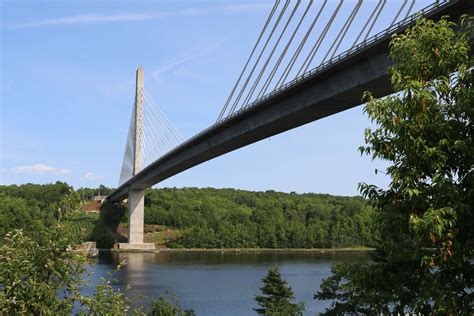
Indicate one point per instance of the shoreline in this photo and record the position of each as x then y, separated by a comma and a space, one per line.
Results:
243, 250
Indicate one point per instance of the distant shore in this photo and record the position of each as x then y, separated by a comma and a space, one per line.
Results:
249, 250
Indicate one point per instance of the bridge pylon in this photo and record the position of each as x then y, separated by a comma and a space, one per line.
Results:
136, 197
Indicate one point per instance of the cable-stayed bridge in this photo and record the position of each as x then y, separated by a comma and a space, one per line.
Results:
285, 83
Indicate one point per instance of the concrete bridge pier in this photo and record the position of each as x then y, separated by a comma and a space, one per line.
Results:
136, 209
136, 198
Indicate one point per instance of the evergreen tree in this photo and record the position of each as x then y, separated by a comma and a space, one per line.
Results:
168, 306
276, 298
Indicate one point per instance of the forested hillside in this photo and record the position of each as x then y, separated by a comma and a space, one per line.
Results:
29, 206
227, 218
36, 207
204, 218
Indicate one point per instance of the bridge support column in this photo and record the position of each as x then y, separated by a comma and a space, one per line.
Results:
136, 208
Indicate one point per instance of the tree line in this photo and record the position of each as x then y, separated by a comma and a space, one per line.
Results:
32, 207
228, 218
208, 218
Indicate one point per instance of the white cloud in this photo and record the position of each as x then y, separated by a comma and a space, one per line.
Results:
40, 169
92, 176
196, 53
135, 17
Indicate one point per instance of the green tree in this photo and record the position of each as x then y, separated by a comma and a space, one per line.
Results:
168, 306
425, 132
106, 300
32, 274
44, 275
277, 296
68, 203
15, 213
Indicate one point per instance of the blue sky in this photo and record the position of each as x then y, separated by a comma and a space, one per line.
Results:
67, 89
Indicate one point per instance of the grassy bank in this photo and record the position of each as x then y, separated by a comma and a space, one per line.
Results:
268, 250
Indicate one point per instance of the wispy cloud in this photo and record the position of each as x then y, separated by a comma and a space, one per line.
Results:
136, 17
92, 176
39, 169
194, 54
119, 88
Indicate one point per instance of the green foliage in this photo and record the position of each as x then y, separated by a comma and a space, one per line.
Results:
227, 218
277, 296
422, 264
34, 207
31, 207
40, 195
44, 277
34, 272
168, 306
67, 204
42, 274
86, 194
106, 300
209, 218
16, 213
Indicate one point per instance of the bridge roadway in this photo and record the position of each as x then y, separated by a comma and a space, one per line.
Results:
331, 88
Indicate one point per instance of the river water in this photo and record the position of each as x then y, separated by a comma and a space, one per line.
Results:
218, 283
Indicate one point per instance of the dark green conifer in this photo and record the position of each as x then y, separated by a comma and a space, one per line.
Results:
277, 296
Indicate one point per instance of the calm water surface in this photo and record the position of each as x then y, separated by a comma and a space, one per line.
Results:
218, 283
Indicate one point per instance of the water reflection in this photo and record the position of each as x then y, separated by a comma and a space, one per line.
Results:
219, 283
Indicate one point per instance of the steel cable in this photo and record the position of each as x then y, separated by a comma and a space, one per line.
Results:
162, 131
258, 59
299, 49
262, 71
282, 55
398, 13
157, 137
410, 8
180, 137
367, 22
170, 131
127, 171
340, 37
248, 60
149, 135
375, 20
159, 134
320, 39
148, 150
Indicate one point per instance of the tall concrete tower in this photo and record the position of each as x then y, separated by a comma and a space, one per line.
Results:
136, 197
139, 95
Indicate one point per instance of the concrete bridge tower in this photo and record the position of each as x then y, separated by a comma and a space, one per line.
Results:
136, 197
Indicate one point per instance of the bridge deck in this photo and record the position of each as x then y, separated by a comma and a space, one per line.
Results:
333, 87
